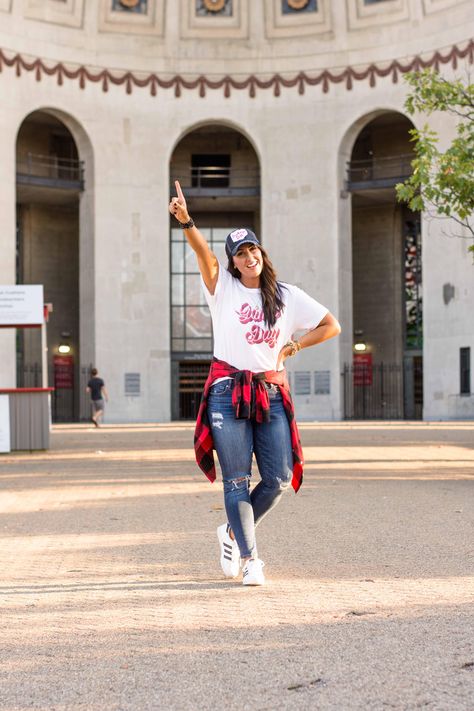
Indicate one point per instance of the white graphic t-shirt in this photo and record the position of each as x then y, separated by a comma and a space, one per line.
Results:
241, 336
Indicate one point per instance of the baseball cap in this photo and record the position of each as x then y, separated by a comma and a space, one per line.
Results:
237, 238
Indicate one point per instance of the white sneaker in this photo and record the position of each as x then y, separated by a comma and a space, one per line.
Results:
253, 573
230, 555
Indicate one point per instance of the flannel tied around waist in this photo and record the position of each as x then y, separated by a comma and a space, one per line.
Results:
250, 401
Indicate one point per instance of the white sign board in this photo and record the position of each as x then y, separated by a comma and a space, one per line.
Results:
4, 423
21, 305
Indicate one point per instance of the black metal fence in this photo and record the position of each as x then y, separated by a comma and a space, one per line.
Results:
68, 404
192, 377
84, 400
383, 391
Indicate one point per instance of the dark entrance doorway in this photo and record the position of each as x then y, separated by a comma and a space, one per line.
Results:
386, 278
49, 183
191, 377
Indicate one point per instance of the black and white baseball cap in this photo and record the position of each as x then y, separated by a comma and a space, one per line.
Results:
237, 238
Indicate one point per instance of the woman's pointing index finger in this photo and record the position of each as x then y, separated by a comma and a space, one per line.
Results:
178, 190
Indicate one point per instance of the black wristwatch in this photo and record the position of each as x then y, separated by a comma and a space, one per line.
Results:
186, 225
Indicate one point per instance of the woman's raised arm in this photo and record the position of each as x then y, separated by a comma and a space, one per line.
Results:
207, 260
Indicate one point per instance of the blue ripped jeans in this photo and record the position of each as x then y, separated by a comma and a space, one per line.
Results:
235, 441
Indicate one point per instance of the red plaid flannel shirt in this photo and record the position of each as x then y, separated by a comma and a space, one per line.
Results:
246, 407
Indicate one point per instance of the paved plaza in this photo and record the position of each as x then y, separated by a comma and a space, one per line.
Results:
112, 598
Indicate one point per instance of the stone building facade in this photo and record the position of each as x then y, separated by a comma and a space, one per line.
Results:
283, 115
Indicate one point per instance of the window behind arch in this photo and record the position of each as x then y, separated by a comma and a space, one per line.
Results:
191, 329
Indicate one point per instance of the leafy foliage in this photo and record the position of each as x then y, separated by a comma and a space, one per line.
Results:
442, 181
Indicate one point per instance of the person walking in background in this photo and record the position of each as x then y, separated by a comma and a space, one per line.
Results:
246, 406
96, 388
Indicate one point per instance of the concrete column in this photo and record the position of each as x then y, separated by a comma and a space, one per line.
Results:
8, 127
131, 257
87, 258
448, 296
300, 229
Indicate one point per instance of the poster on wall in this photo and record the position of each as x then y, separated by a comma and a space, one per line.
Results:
21, 305
5, 443
63, 372
362, 368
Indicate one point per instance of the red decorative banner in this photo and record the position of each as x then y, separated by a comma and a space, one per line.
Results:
253, 82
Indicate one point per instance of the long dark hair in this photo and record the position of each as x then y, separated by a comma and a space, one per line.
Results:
271, 289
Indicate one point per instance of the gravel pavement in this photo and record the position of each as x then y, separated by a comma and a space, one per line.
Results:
111, 596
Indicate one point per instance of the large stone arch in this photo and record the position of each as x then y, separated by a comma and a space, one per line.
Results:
85, 338
218, 166
233, 125
366, 188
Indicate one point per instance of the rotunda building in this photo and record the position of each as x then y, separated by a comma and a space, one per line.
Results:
286, 116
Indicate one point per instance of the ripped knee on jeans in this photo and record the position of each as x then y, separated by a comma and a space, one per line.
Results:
237, 482
281, 483
284, 484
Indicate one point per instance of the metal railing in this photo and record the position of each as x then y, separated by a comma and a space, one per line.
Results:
211, 176
370, 171
222, 179
50, 170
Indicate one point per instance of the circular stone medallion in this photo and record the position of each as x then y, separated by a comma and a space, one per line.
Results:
297, 4
214, 5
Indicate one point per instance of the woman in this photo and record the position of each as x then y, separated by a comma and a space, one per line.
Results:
246, 407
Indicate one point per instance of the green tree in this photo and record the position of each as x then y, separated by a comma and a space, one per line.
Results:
442, 182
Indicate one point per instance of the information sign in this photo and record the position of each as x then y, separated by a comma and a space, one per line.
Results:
21, 305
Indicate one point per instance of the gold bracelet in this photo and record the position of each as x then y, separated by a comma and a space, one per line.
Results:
294, 345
